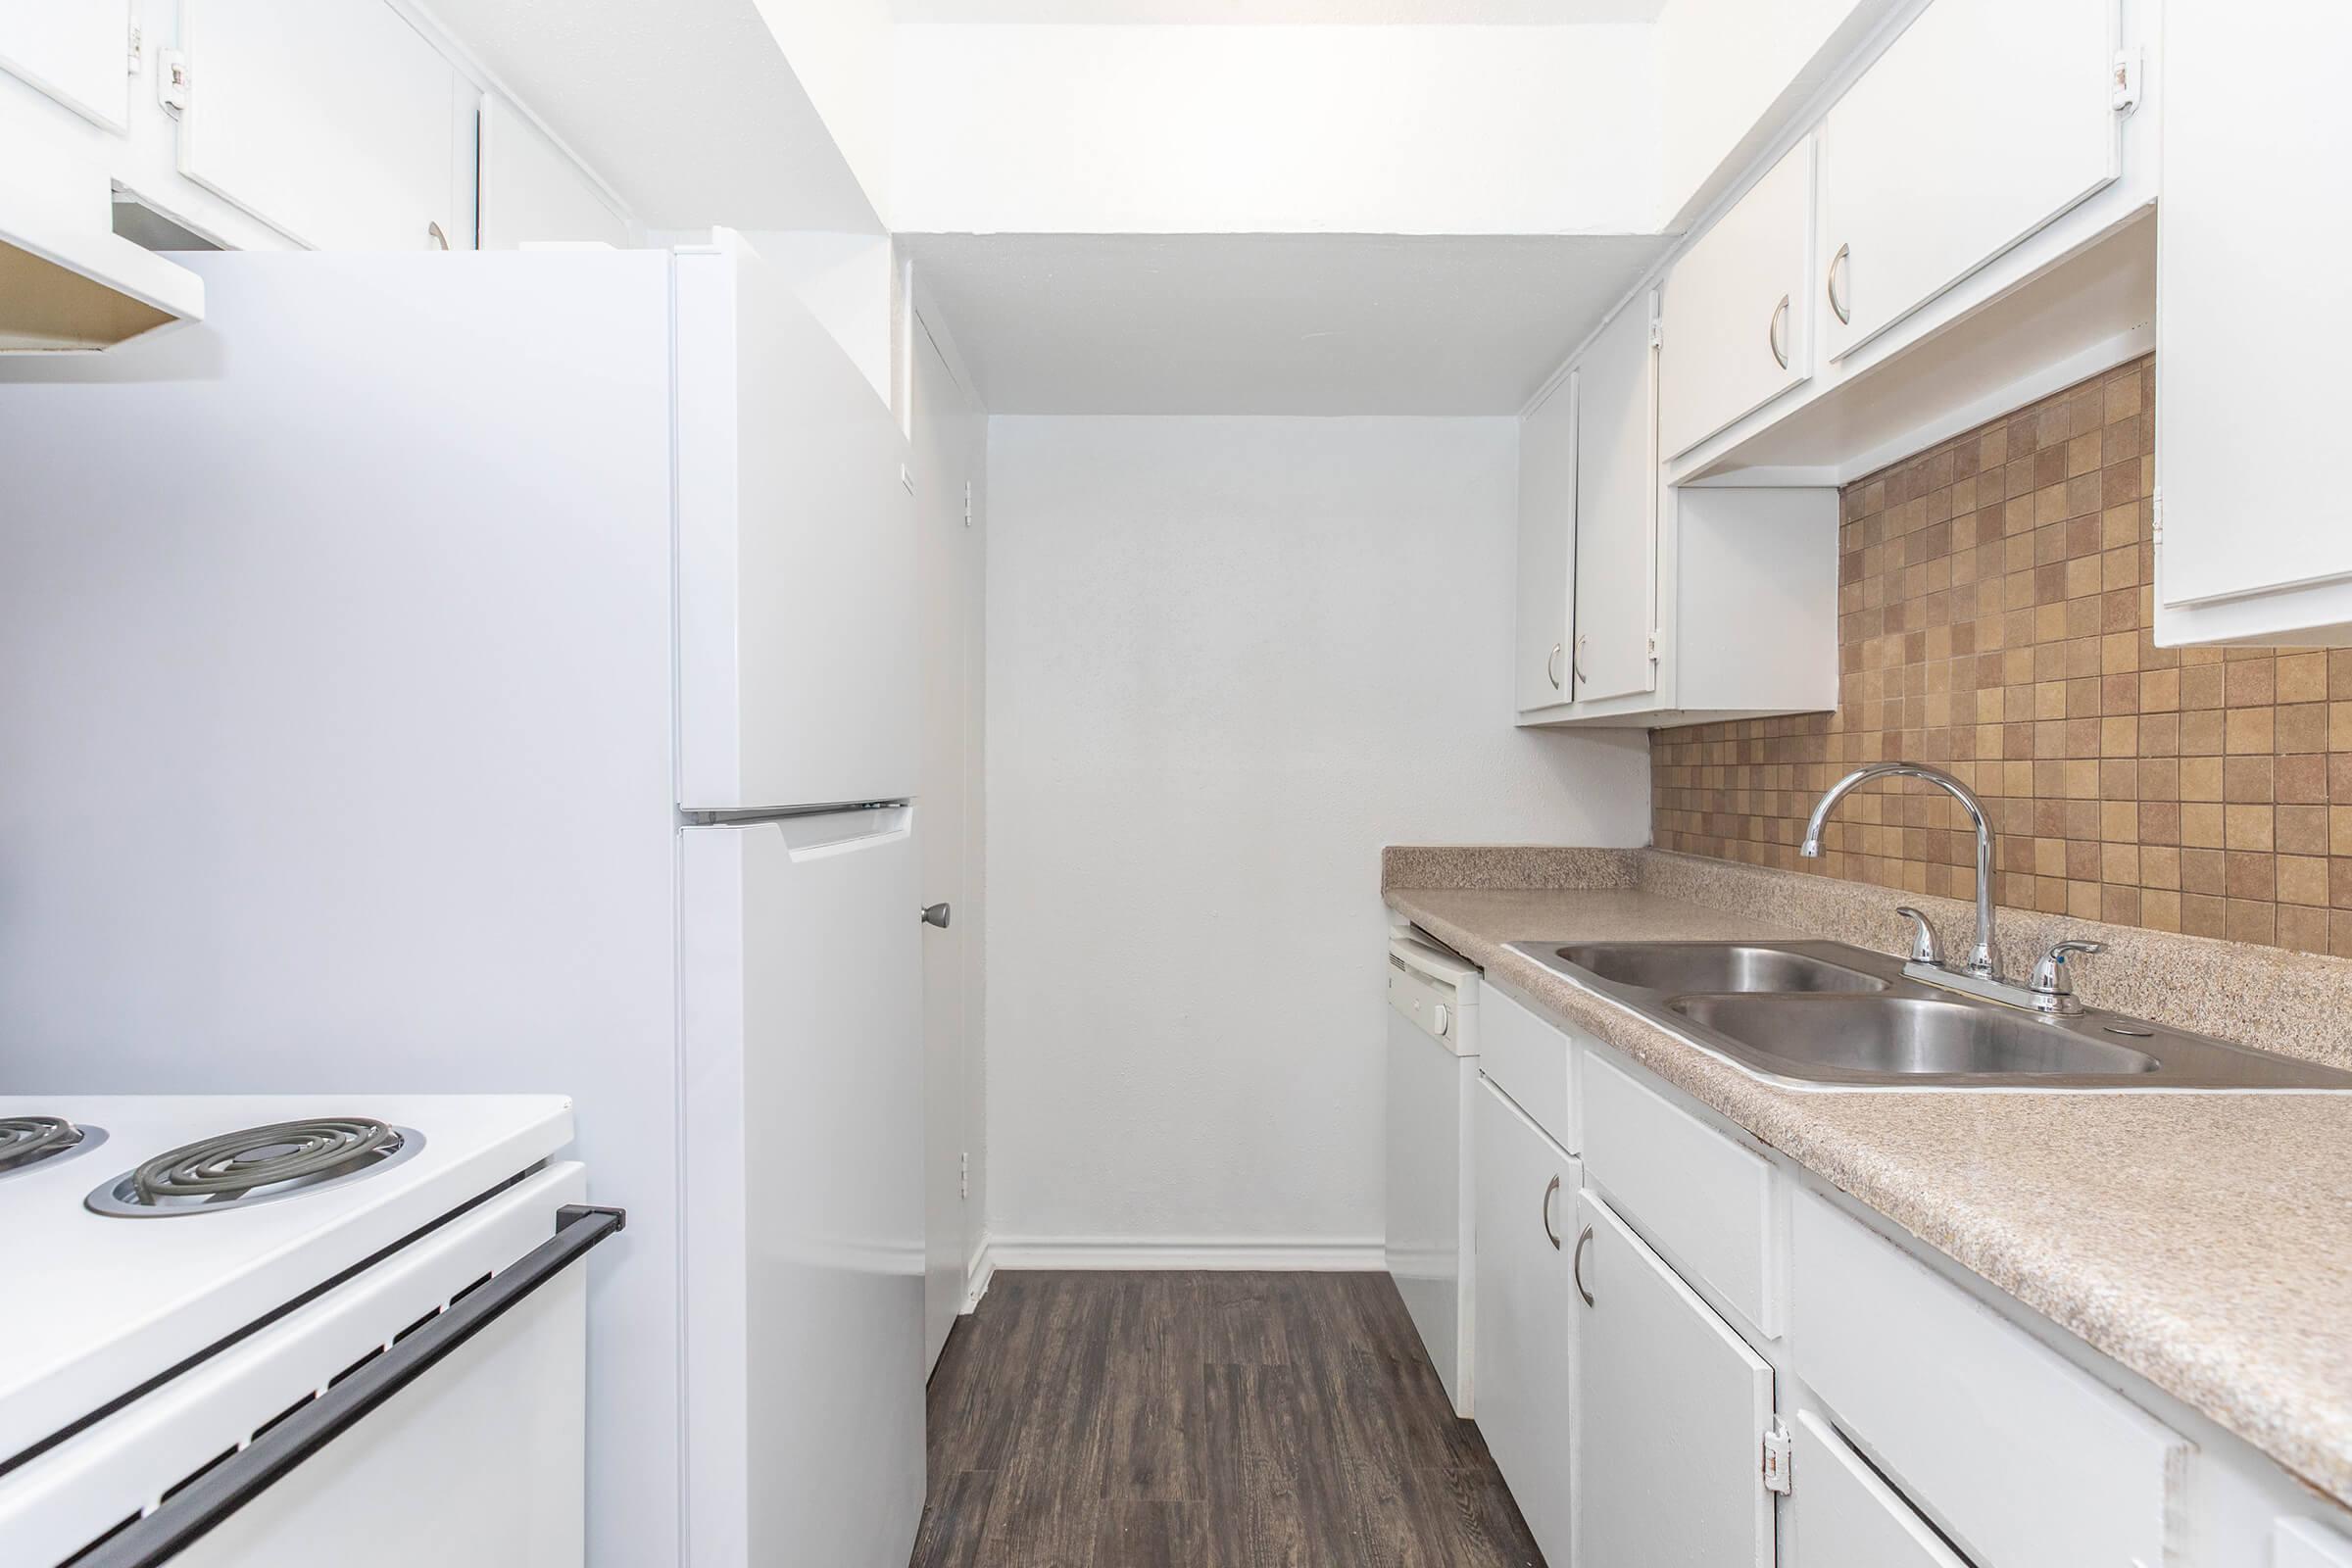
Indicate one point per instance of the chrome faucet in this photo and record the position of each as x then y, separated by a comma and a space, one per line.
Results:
1980, 957
2050, 991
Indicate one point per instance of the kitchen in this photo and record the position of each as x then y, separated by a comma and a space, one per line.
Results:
712, 708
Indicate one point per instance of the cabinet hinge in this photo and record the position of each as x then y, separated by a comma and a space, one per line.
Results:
1653, 647
2156, 517
172, 80
967, 502
2129, 68
964, 1175
138, 48
1779, 1458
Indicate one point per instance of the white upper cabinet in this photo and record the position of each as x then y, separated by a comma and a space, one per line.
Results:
333, 120
1615, 599
2252, 324
1982, 123
76, 51
1547, 556
531, 191
1736, 317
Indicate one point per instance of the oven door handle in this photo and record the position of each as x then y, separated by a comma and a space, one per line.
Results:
274, 1455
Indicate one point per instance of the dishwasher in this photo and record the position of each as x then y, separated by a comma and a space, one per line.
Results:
1432, 1077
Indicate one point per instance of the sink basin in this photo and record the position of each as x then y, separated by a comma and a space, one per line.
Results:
1908, 1036
1823, 1015
1674, 967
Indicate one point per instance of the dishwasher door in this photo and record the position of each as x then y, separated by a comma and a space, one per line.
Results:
1432, 1077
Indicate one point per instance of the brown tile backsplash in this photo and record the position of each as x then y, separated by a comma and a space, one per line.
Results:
1994, 598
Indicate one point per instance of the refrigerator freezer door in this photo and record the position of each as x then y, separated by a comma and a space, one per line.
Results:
796, 669
802, 1065
337, 730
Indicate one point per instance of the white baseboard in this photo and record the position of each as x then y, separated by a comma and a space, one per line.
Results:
1274, 1255
978, 1270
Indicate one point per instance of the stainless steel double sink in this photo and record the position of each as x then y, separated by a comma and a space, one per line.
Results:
1825, 1014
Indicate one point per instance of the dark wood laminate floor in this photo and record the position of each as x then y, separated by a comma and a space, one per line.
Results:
1162, 1420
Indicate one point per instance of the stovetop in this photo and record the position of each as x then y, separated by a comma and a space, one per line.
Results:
249, 1202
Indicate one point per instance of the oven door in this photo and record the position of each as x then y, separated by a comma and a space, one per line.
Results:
430, 1409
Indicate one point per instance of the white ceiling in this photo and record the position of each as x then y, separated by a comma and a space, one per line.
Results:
1276, 11
1269, 324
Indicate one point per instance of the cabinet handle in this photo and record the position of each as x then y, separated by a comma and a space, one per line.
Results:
1576, 1264
1844, 310
1547, 1230
1575, 663
1551, 667
1775, 332
439, 234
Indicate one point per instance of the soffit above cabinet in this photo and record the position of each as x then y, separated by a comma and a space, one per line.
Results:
1271, 323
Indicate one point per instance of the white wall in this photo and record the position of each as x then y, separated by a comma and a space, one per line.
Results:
1228, 658
841, 52
1276, 130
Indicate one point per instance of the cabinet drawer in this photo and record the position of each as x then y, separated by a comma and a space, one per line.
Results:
1693, 1193
2022, 1458
1736, 321
1528, 1060
1847, 1517
2307, 1544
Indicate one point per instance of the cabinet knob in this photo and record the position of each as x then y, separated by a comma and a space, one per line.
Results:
935, 914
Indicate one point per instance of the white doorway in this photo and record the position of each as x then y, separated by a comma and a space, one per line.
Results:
950, 452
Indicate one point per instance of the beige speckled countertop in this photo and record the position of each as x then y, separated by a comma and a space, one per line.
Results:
2204, 1240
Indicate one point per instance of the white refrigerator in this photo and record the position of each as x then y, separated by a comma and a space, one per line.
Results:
497, 672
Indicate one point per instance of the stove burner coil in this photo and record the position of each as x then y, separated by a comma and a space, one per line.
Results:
25, 1140
235, 1164
255, 1166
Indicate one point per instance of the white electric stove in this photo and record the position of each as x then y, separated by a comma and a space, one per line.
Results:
263, 1322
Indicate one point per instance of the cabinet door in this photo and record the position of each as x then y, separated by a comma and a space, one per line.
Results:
1735, 313
1985, 120
2244, 402
531, 190
1616, 510
1526, 1195
333, 120
1847, 1517
1547, 527
76, 51
1670, 1415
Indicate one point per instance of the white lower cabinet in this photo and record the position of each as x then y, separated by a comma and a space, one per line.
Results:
1672, 1410
1526, 1188
1848, 1518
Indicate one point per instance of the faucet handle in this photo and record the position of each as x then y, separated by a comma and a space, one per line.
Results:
1925, 948
2050, 978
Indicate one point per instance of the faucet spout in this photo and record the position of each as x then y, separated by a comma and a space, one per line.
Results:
1980, 961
